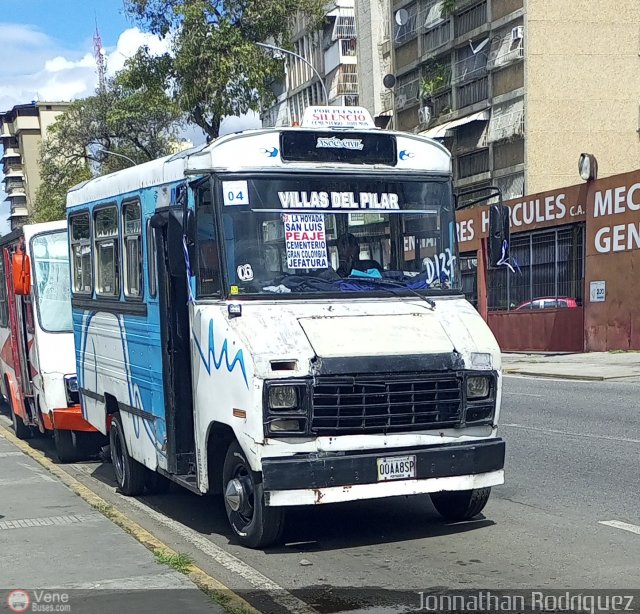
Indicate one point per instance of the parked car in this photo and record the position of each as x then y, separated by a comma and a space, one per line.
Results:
550, 302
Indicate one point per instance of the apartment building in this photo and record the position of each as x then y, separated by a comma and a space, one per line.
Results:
21, 132
516, 89
332, 53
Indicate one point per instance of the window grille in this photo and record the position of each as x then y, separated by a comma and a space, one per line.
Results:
506, 122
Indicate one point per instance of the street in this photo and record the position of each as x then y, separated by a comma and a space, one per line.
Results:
573, 453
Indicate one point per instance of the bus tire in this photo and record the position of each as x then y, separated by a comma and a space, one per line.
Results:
253, 523
21, 430
156, 483
460, 504
66, 447
129, 472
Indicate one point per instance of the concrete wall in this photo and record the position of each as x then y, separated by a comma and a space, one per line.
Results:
582, 80
370, 18
30, 148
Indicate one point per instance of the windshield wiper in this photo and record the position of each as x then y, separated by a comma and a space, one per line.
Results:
381, 281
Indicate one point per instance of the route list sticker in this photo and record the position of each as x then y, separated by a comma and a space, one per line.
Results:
306, 241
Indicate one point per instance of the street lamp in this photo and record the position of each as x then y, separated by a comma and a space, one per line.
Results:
113, 153
295, 55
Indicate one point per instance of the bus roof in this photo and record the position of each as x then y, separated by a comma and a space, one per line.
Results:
255, 150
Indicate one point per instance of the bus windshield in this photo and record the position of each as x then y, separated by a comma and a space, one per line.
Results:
335, 234
51, 281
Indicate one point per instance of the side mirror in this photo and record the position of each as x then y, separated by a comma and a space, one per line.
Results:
498, 235
21, 271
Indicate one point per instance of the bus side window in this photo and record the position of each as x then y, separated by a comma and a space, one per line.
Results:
80, 239
207, 243
107, 256
132, 249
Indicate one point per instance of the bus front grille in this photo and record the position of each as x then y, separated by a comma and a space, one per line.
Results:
351, 405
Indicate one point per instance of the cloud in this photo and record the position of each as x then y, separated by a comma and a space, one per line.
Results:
42, 70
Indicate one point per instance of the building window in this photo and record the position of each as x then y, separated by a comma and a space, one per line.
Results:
550, 266
80, 239
132, 250
106, 248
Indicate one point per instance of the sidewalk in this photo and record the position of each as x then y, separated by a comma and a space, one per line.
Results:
51, 539
597, 366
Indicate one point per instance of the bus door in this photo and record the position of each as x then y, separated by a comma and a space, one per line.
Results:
19, 316
174, 328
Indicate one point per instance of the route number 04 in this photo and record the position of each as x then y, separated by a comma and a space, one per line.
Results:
235, 193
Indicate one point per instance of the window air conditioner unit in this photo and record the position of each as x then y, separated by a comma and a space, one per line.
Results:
517, 33
424, 115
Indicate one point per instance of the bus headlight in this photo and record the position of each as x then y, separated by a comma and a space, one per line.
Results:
283, 398
71, 389
287, 425
286, 407
478, 387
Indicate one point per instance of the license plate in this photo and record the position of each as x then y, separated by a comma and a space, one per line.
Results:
396, 468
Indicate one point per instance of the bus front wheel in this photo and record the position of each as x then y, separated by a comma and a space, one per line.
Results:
460, 504
130, 474
66, 448
254, 524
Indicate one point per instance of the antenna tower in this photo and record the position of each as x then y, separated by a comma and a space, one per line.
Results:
101, 61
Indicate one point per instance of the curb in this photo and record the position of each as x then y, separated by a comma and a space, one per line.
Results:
587, 378
216, 590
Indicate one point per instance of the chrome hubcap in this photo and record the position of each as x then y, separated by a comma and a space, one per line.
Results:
235, 495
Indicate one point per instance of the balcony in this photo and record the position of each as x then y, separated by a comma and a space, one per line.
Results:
14, 187
341, 52
506, 122
344, 27
11, 152
407, 91
506, 48
437, 37
345, 82
26, 122
470, 66
13, 170
474, 163
471, 93
470, 19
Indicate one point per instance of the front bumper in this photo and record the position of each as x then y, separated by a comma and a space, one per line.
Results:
309, 479
70, 419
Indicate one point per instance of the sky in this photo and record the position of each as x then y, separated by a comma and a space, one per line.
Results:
46, 54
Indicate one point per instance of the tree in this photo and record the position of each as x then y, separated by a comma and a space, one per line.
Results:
215, 69
130, 118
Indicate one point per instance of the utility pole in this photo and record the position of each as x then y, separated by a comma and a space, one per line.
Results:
101, 61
